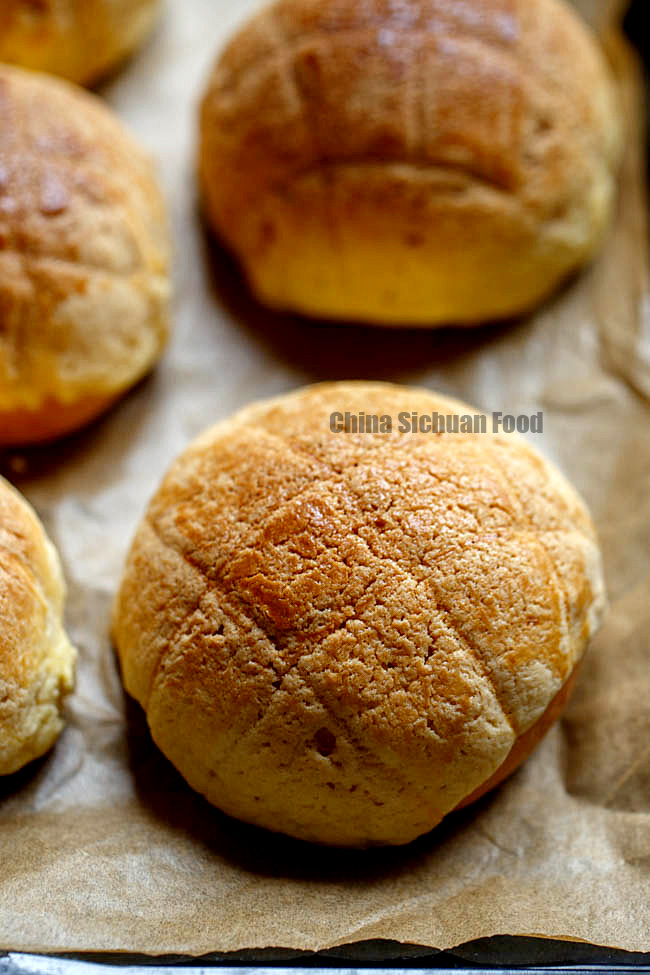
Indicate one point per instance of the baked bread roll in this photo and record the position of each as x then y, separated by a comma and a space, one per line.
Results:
423, 163
83, 258
78, 39
344, 637
36, 658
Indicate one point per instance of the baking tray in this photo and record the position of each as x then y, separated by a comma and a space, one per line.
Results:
501, 954
497, 954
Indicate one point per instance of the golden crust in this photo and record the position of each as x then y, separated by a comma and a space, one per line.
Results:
84, 258
343, 636
417, 163
36, 658
81, 40
527, 742
50, 420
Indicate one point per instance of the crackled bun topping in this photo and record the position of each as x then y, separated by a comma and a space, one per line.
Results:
421, 162
83, 258
344, 636
36, 658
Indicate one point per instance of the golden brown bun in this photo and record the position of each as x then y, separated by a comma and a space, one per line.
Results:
84, 257
80, 40
342, 637
36, 658
427, 162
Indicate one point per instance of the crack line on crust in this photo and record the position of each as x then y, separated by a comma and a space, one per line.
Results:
225, 597
560, 588
286, 47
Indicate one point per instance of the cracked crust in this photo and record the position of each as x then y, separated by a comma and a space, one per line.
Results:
84, 257
36, 657
341, 636
425, 162
81, 40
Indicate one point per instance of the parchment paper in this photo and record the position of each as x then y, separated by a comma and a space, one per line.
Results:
103, 846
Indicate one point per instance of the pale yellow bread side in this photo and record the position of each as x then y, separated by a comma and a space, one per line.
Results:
36, 658
81, 40
342, 636
420, 163
84, 254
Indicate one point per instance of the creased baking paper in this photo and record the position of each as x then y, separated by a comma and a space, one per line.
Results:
103, 847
